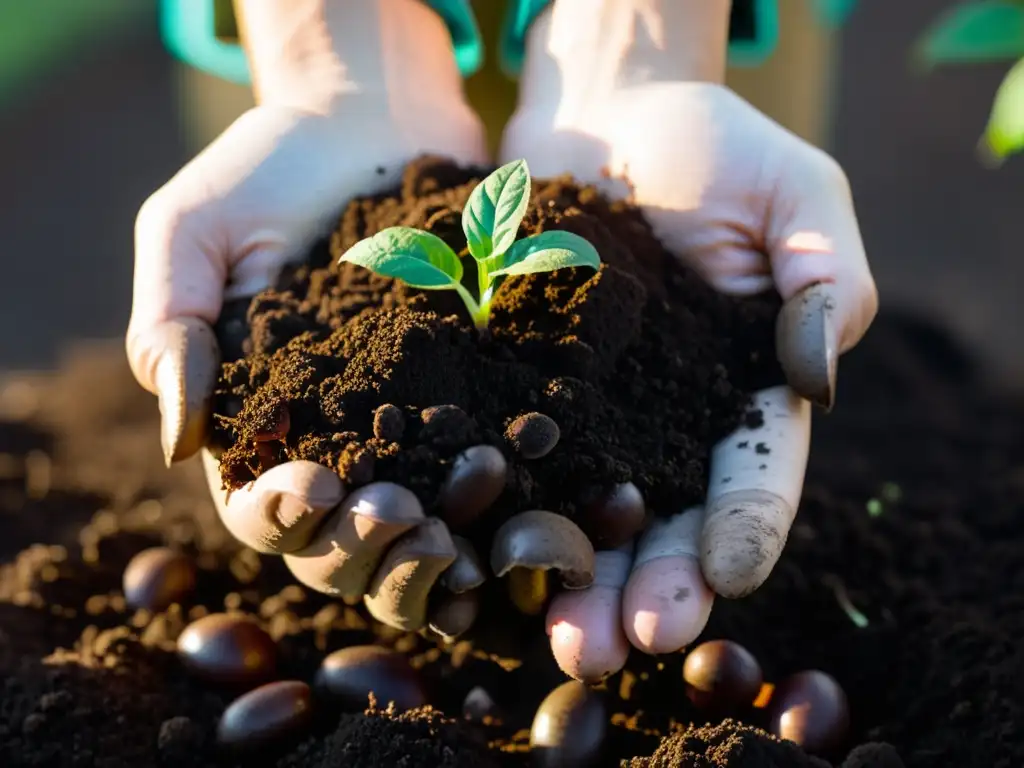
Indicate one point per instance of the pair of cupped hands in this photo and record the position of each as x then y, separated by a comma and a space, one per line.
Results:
746, 203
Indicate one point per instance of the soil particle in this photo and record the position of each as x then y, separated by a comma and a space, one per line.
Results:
418, 738
726, 745
911, 516
642, 366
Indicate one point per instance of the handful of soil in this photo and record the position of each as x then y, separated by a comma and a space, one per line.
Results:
642, 367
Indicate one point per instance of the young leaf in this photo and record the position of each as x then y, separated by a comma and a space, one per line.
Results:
545, 252
1004, 134
989, 30
418, 258
495, 209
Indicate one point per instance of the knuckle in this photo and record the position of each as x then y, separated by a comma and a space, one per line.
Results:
827, 170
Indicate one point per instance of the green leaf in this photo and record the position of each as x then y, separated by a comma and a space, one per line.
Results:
418, 258
991, 30
545, 252
1004, 134
495, 209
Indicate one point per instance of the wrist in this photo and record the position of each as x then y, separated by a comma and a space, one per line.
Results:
316, 55
579, 49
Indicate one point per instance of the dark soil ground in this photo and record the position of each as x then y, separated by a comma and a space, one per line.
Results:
912, 512
642, 365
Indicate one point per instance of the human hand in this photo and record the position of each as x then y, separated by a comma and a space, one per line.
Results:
254, 199
750, 206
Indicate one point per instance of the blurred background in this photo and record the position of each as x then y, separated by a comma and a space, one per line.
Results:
95, 115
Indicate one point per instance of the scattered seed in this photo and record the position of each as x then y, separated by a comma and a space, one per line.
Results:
569, 728
350, 675
533, 435
158, 577
811, 709
228, 648
266, 715
722, 676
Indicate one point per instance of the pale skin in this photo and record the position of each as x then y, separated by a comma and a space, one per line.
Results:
625, 93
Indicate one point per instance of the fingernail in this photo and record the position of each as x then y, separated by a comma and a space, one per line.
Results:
744, 534
807, 346
666, 604
342, 557
400, 591
185, 378
274, 520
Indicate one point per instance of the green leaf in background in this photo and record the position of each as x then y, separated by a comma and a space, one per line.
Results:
545, 252
985, 30
418, 258
1004, 134
495, 209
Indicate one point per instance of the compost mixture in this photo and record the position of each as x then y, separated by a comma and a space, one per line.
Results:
642, 366
902, 577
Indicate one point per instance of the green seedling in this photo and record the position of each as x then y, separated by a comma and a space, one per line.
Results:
491, 222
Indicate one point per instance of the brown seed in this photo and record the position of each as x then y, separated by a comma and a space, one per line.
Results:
266, 715
155, 578
722, 676
352, 674
456, 614
446, 425
569, 728
388, 423
274, 421
476, 480
228, 648
534, 435
614, 516
811, 709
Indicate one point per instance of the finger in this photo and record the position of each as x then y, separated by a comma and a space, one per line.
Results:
666, 602
183, 259
585, 626
813, 239
281, 510
170, 344
399, 594
753, 492
346, 550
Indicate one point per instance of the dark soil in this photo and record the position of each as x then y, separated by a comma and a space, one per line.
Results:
642, 365
936, 566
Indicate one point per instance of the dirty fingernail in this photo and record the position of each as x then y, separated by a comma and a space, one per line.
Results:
284, 508
185, 377
807, 345
744, 534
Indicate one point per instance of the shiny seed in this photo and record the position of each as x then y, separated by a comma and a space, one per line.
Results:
811, 709
388, 423
158, 577
533, 435
614, 516
266, 715
351, 674
456, 614
722, 676
569, 728
228, 648
476, 480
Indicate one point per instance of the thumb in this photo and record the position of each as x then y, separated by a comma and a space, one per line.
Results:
820, 270
171, 346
